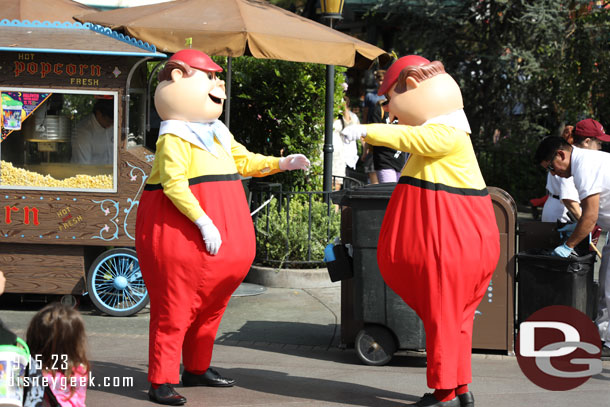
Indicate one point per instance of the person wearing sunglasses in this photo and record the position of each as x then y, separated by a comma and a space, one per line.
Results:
591, 172
563, 204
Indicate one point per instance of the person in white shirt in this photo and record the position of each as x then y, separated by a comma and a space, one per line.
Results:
562, 193
591, 172
345, 152
563, 196
93, 140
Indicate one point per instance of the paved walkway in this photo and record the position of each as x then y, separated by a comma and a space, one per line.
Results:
282, 347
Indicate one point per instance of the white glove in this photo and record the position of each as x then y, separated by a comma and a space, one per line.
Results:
211, 235
294, 162
353, 132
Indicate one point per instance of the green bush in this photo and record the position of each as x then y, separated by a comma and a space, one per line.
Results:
283, 235
277, 108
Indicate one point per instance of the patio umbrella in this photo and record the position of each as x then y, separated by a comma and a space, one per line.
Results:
234, 28
237, 27
47, 10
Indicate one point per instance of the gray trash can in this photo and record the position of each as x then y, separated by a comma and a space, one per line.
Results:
387, 323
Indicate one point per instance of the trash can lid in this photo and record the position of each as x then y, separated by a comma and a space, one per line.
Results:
545, 255
367, 192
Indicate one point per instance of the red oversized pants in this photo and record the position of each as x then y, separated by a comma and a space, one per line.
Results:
437, 250
188, 288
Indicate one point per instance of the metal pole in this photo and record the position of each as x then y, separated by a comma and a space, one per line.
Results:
328, 125
328, 128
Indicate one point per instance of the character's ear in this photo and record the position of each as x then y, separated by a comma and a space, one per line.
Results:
176, 74
412, 83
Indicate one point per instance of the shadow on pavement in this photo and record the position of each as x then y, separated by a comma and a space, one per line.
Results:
119, 379
303, 339
604, 375
307, 388
132, 383
286, 332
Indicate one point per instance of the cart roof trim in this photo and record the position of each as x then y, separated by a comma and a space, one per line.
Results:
70, 38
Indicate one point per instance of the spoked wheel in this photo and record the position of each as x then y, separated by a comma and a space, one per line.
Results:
115, 283
375, 345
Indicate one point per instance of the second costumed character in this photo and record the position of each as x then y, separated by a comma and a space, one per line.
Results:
439, 242
194, 234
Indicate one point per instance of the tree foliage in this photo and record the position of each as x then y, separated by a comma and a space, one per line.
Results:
277, 108
526, 68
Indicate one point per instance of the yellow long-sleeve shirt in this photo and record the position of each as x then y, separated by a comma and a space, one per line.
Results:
439, 153
177, 161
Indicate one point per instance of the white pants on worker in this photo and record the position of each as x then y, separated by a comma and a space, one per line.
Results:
603, 315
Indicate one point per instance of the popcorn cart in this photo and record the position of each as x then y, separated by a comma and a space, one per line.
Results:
68, 225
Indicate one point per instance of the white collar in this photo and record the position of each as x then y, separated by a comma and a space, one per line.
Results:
455, 119
200, 134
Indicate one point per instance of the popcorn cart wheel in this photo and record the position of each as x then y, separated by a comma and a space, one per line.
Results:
115, 283
375, 345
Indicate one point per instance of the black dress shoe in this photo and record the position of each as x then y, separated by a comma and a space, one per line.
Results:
428, 400
165, 394
466, 399
210, 378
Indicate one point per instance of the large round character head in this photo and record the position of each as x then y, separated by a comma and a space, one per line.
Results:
419, 90
188, 89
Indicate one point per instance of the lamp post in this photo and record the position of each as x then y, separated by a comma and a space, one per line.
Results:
331, 9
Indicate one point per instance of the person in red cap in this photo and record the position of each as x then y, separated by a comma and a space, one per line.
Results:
194, 234
590, 169
439, 242
589, 134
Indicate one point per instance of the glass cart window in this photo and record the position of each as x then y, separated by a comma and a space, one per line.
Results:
57, 140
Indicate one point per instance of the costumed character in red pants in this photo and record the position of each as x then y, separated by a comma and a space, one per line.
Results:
439, 242
194, 234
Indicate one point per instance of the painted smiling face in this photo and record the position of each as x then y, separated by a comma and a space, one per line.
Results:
188, 88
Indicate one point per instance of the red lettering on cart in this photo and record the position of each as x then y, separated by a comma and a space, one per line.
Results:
7, 213
26, 216
96, 70
19, 68
27, 219
45, 69
71, 69
32, 68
